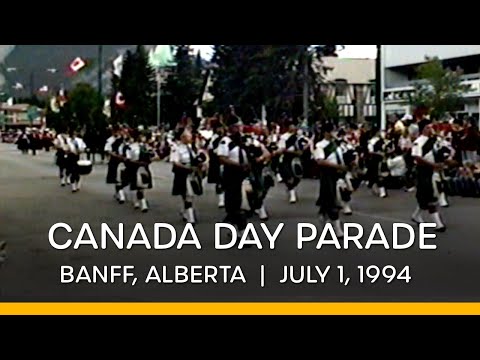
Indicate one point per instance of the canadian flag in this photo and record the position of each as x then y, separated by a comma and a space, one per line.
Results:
54, 105
119, 99
118, 65
77, 64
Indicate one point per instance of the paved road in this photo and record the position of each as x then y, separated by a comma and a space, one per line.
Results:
32, 201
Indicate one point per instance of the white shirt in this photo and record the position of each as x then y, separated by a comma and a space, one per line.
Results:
212, 141
182, 154
232, 154
282, 144
397, 166
404, 143
61, 141
76, 145
372, 142
109, 143
133, 152
418, 151
335, 157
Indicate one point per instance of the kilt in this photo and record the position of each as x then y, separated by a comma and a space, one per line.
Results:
425, 191
132, 171
327, 200
232, 183
180, 179
61, 159
214, 170
112, 171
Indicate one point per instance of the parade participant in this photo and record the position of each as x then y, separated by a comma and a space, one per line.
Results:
187, 172
33, 141
76, 146
214, 168
3, 251
444, 152
273, 138
288, 149
260, 177
138, 158
374, 164
235, 169
23, 142
328, 156
61, 159
423, 151
348, 181
114, 176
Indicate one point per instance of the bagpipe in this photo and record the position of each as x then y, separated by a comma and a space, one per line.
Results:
350, 180
260, 176
301, 143
199, 171
443, 184
144, 178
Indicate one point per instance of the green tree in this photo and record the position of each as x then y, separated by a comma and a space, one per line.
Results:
438, 90
250, 76
184, 85
138, 86
86, 105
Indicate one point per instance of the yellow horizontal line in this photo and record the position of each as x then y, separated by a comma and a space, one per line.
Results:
239, 308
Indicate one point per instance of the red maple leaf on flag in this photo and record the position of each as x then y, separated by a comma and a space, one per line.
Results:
120, 100
77, 65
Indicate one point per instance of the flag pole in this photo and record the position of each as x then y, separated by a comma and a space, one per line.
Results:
159, 90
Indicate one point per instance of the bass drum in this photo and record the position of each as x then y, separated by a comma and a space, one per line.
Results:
85, 167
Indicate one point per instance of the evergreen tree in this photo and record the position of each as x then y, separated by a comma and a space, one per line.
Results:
146, 89
250, 76
85, 104
184, 85
138, 86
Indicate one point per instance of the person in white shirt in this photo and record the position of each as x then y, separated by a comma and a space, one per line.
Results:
184, 160
236, 167
3, 251
288, 150
76, 147
61, 144
329, 158
214, 168
112, 149
423, 151
376, 154
138, 158
260, 177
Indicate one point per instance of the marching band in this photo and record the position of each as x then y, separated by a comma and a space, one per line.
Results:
242, 166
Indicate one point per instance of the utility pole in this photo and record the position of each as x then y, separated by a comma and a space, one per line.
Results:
378, 86
159, 96
305, 86
100, 63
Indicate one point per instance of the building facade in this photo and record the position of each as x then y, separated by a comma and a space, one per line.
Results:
352, 83
399, 63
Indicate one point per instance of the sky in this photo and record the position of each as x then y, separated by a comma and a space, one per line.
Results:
350, 51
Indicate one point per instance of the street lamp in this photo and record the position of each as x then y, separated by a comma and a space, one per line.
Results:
160, 58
